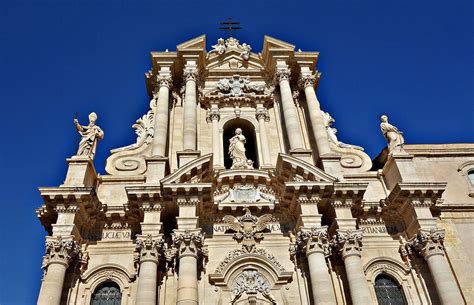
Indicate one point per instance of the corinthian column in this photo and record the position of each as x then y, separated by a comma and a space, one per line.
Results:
189, 245
190, 75
262, 117
307, 81
213, 116
162, 113
314, 242
59, 253
349, 243
429, 243
148, 253
289, 111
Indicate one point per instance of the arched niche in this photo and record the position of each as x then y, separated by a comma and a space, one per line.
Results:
251, 145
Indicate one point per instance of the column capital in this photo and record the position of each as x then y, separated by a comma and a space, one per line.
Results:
164, 80
189, 243
60, 250
190, 74
148, 248
428, 242
283, 73
213, 115
314, 240
262, 114
348, 242
308, 80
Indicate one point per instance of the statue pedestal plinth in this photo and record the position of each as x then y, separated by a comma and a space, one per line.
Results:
303, 154
332, 164
400, 168
81, 172
187, 156
157, 169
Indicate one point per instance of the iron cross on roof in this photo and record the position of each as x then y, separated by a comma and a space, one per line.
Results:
229, 26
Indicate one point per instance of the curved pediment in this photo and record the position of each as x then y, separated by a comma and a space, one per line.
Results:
294, 169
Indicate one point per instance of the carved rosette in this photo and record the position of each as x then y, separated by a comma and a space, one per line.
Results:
307, 80
262, 114
164, 80
189, 243
348, 242
213, 115
148, 248
313, 240
283, 74
60, 250
191, 75
428, 242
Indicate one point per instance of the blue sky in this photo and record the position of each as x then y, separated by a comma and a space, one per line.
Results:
410, 59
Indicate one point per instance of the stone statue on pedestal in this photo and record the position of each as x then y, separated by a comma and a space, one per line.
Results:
393, 136
237, 151
90, 134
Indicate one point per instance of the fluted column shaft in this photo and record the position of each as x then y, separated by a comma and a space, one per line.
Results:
190, 109
430, 245
289, 112
262, 116
161, 117
319, 130
148, 250
314, 242
350, 244
59, 252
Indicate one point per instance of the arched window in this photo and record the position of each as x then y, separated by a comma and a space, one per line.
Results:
107, 294
470, 175
388, 292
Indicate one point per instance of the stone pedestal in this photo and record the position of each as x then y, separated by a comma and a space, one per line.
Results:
303, 154
81, 172
399, 168
157, 169
187, 156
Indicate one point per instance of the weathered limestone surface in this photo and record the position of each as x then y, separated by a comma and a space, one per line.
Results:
301, 218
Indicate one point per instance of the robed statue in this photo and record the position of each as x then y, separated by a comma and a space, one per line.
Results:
91, 134
393, 136
237, 151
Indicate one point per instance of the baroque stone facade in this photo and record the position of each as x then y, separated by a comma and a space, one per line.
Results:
237, 191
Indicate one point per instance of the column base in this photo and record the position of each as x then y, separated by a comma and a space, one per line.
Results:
186, 156
157, 169
81, 172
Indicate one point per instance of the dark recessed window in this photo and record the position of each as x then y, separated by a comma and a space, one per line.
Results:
470, 175
107, 294
388, 291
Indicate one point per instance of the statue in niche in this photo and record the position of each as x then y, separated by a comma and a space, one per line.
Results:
91, 134
237, 151
393, 136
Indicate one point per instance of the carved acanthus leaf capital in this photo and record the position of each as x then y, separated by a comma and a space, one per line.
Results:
191, 75
60, 250
428, 242
189, 243
213, 115
283, 73
348, 242
262, 114
314, 239
164, 80
307, 80
148, 248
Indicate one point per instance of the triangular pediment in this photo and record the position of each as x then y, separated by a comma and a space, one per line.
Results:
294, 169
273, 43
193, 44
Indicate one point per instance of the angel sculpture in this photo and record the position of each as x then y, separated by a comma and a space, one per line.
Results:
248, 228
